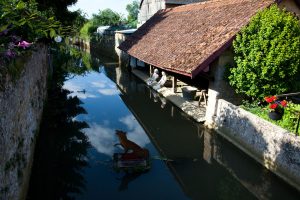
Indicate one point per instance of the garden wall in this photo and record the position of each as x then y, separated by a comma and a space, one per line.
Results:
274, 147
21, 103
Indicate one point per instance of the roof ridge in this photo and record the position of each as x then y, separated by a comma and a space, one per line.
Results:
208, 2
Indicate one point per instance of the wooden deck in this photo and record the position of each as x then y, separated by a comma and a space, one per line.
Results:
191, 108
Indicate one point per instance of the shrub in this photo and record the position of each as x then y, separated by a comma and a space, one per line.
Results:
21, 24
267, 54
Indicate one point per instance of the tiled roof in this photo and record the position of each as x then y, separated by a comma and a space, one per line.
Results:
187, 38
182, 1
176, 1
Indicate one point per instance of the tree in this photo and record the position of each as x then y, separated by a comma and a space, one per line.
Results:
105, 17
267, 54
59, 8
133, 11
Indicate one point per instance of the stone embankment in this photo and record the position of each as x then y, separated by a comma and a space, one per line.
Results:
274, 147
22, 97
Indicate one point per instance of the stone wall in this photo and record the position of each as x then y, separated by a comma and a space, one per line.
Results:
272, 146
21, 105
121, 36
219, 87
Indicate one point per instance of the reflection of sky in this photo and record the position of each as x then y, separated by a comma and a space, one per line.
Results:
106, 112
93, 86
103, 137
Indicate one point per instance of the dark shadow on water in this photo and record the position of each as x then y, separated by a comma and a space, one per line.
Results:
61, 148
127, 178
206, 165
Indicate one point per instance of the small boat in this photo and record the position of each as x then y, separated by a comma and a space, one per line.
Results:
130, 162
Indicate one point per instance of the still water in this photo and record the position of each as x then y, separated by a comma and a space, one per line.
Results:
74, 151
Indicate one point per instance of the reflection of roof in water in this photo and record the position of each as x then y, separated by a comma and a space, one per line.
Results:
205, 164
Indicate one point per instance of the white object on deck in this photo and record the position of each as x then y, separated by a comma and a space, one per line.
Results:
161, 82
153, 78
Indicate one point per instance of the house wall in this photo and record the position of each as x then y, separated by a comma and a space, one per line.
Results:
123, 57
21, 105
274, 147
292, 6
148, 9
219, 87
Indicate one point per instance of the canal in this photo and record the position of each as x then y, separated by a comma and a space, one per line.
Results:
73, 157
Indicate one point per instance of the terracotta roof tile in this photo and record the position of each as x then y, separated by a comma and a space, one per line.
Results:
181, 1
187, 38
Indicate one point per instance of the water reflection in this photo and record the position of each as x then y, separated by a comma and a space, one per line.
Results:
206, 165
107, 113
61, 150
74, 157
102, 136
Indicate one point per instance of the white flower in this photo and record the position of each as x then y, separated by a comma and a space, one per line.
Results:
58, 39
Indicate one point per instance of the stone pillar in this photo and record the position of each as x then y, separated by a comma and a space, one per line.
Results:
211, 109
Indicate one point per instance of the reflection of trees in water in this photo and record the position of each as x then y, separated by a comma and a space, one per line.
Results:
61, 148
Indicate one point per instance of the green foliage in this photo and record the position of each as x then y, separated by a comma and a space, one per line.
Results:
84, 31
59, 8
23, 19
21, 25
133, 11
267, 54
71, 61
79, 20
105, 17
288, 121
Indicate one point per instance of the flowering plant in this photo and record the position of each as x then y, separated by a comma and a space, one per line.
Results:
275, 104
22, 25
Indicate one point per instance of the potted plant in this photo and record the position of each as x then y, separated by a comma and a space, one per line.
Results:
276, 107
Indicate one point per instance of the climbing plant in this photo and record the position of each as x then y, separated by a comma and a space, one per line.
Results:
267, 54
21, 25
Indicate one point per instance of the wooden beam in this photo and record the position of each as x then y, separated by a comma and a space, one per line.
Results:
174, 84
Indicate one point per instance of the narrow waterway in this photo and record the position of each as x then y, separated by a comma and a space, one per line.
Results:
73, 158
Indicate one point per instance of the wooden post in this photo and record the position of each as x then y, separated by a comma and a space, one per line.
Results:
150, 70
174, 84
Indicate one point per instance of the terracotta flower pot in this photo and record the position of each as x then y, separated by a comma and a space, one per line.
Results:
275, 115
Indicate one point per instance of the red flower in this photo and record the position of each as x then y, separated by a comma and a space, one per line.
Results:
274, 106
283, 103
270, 99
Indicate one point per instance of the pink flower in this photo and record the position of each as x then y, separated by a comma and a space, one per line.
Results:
24, 44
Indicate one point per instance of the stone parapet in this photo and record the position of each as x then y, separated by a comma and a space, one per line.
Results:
274, 147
